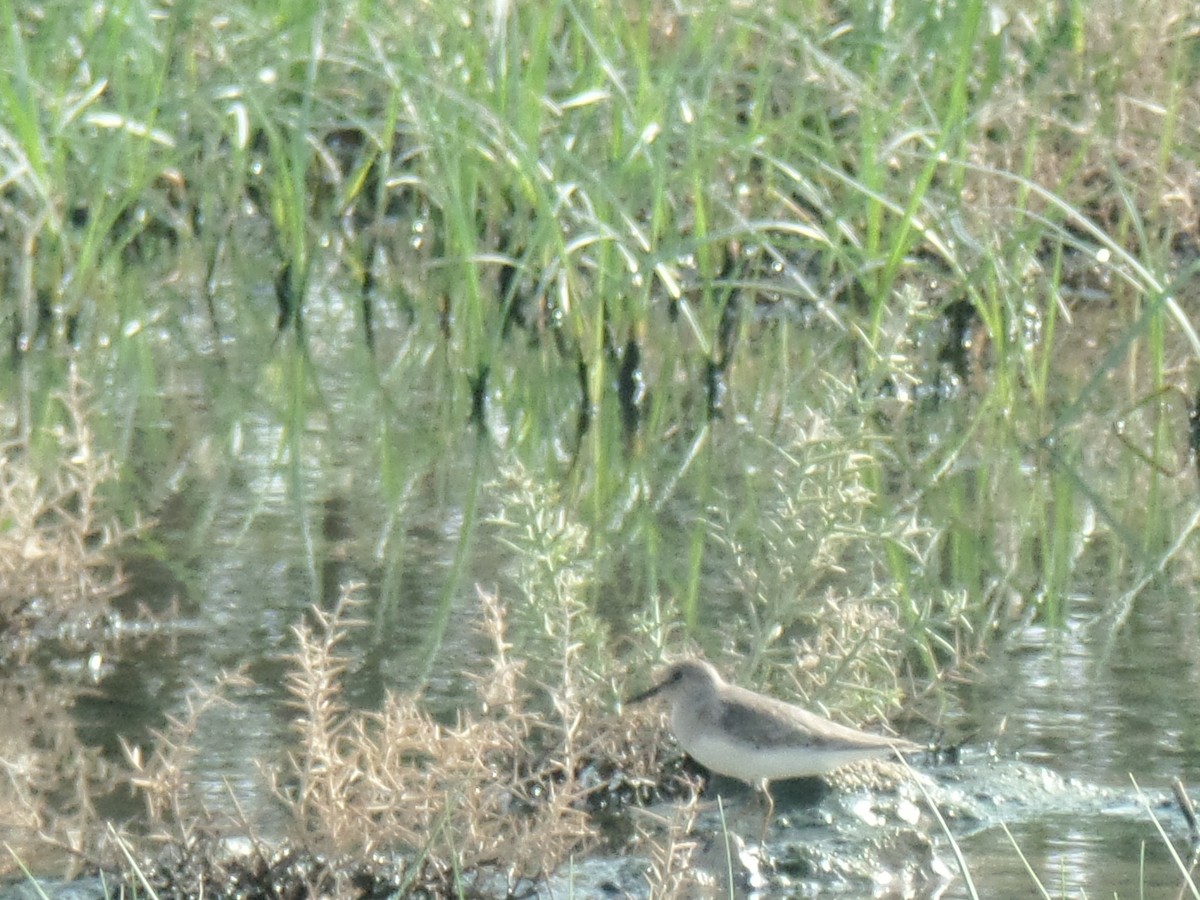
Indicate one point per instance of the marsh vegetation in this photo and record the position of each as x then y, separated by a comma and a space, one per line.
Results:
387, 389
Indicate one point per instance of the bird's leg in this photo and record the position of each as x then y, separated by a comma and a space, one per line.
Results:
765, 787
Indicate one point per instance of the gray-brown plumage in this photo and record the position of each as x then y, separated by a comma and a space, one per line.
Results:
739, 733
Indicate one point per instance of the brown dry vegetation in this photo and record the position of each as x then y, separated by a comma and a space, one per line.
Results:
57, 576
47, 778
499, 797
496, 789
56, 539
1095, 124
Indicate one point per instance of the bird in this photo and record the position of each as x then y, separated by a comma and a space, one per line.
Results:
752, 737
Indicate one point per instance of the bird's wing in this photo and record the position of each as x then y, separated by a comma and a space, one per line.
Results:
767, 720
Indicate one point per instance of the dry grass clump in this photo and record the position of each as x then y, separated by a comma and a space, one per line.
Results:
812, 565
163, 779
493, 794
47, 779
1113, 107
391, 800
56, 539
396, 801
57, 577
672, 871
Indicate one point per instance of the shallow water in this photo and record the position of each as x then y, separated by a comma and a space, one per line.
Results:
265, 523
1098, 709
1091, 705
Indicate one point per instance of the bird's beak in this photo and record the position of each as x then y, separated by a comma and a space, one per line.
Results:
645, 695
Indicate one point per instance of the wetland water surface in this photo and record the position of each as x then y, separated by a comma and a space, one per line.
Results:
1086, 704
1099, 710
851, 349
268, 519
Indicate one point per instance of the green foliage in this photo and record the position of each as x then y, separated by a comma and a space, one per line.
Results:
596, 230
841, 335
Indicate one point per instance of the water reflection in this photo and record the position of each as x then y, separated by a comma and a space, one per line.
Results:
1094, 709
1097, 709
265, 537
1072, 858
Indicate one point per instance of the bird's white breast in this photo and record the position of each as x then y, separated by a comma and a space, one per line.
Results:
740, 759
